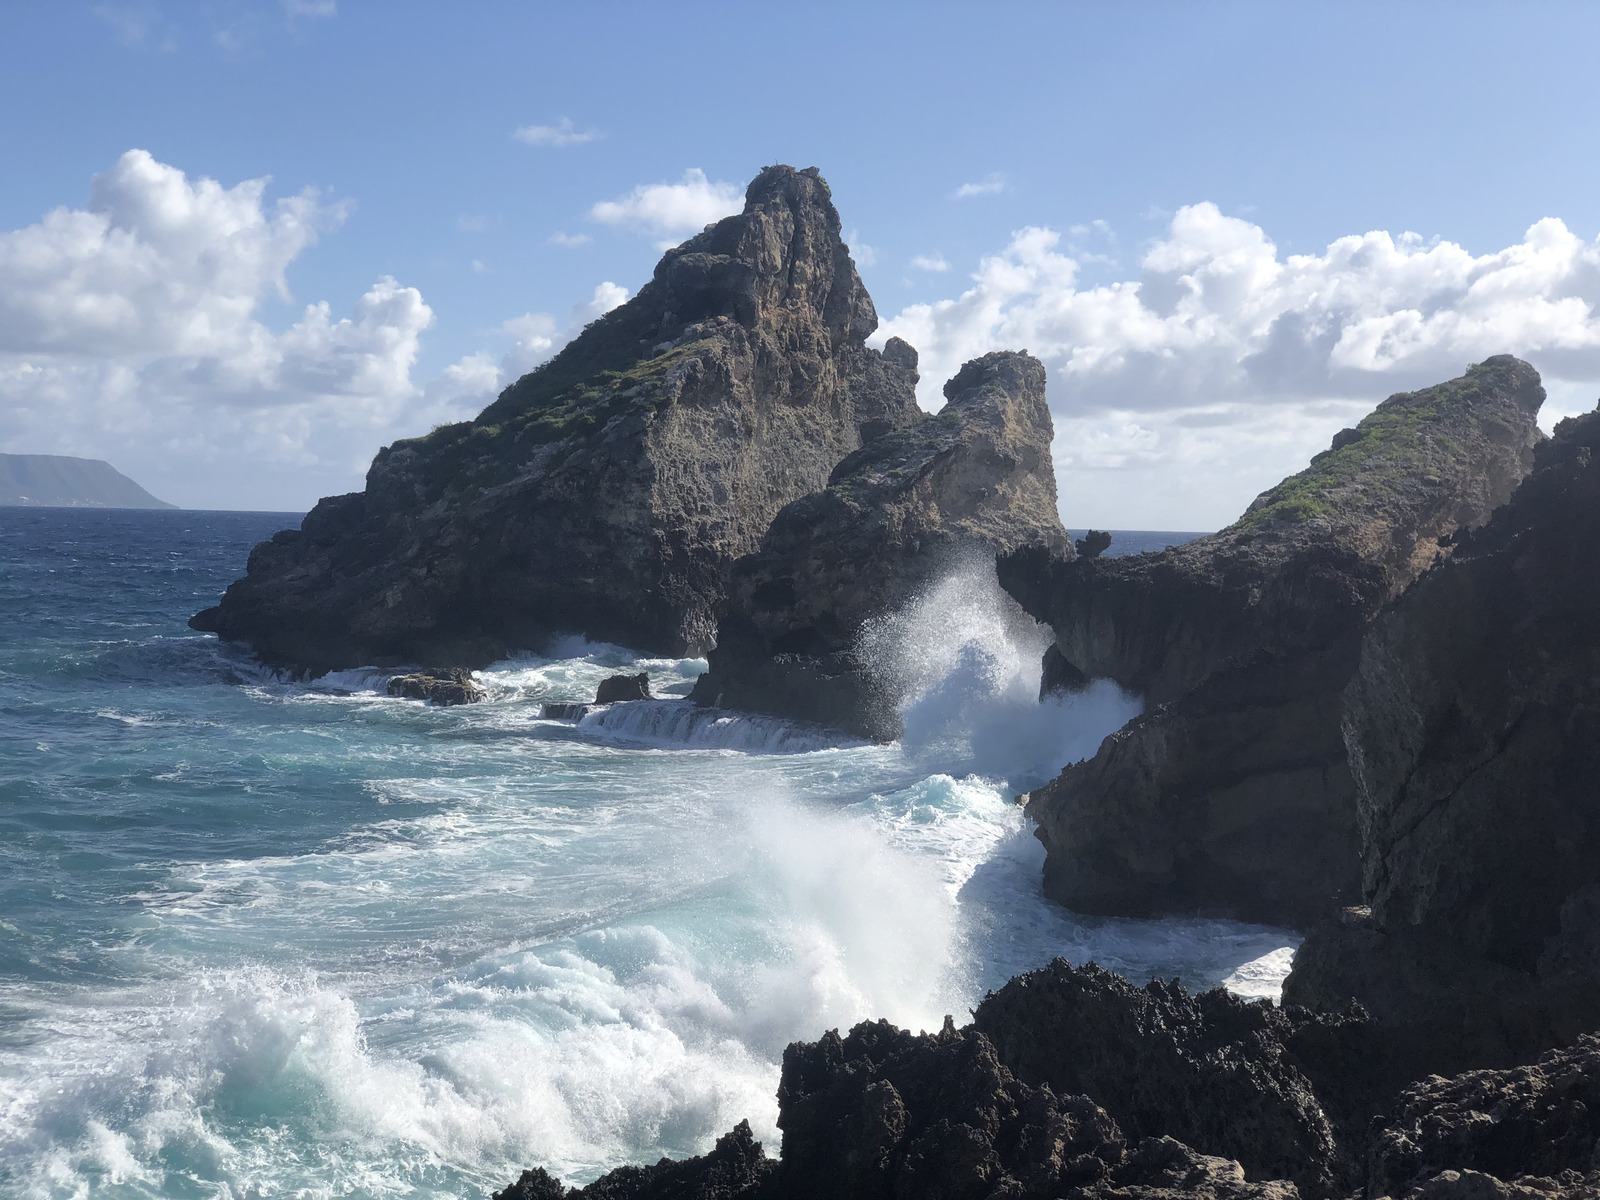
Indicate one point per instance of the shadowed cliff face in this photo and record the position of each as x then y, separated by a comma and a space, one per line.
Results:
1473, 726
974, 478
606, 492
1232, 796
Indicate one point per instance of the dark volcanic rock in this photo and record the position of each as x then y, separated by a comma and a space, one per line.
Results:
975, 478
1541, 1120
441, 685
623, 687
606, 492
1473, 727
1092, 544
736, 1167
1212, 1070
1232, 796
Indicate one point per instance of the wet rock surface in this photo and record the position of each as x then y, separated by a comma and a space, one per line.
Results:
623, 687
1473, 726
1232, 796
973, 479
441, 685
606, 492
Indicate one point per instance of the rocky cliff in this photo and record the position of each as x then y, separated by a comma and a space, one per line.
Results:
1473, 726
606, 492
976, 478
1231, 795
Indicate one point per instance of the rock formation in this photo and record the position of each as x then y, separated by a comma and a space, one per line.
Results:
1473, 726
623, 687
1231, 795
1071, 1084
974, 478
607, 491
442, 685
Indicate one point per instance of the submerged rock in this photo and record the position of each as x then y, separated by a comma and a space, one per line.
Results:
1473, 726
1231, 795
606, 492
441, 685
623, 687
974, 478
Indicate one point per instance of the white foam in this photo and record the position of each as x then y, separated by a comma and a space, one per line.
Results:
681, 723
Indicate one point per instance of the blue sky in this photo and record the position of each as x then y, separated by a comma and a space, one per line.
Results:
1155, 152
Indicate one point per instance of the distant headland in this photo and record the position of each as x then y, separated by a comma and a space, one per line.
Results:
59, 481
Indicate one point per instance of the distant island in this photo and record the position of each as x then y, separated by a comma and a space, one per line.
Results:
59, 481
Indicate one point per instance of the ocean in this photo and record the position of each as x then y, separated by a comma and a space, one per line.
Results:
261, 937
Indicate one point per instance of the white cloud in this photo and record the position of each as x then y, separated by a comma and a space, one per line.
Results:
989, 185
672, 208
131, 330
1224, 365
924, 262
562, 133
569, 239
315, 9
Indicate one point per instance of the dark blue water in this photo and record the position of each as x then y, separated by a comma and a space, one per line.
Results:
260, 937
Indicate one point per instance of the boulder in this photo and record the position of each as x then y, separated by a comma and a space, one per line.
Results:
1473, 728
440, 685
974, 478
1092, 544
623, 687
1224, 1075
1232, 796
606, 492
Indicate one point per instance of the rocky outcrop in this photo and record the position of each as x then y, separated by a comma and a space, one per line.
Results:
623, 687
975, 478
1071, 1084
1232, 795
1473, 726
442, 686
1502, 1127
606, 492
1211, 1070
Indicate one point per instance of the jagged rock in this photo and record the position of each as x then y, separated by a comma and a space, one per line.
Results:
974, 478
623, 687
1165, 1169
1485, 1127
1092, 544
1216, 1072
1232, 795
441, 685
606, 492
736, 1167
1473, 726
559, 710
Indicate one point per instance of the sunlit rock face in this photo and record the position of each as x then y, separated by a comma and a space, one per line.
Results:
973, 480
606, 492
1232, 795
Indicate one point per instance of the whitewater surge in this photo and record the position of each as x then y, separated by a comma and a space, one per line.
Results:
321, 941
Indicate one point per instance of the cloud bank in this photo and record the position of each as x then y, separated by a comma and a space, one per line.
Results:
1181, 393
131, 330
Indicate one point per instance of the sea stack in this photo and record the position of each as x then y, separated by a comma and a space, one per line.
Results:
607, 492
975, 478
1231, 796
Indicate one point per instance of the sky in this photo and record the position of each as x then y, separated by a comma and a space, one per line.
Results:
244, 243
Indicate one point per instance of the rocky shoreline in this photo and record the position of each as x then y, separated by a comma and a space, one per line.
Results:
1373, 712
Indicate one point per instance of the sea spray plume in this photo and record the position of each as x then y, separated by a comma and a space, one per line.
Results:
976, 477
960, 663
607, 491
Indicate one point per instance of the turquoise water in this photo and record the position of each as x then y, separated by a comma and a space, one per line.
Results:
267, 938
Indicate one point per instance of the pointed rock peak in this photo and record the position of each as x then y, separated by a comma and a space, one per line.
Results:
781, 259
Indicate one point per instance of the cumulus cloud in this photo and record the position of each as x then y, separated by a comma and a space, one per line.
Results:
989, 185
569, 239
675, 209
1224, 364
562, 133
926, 262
